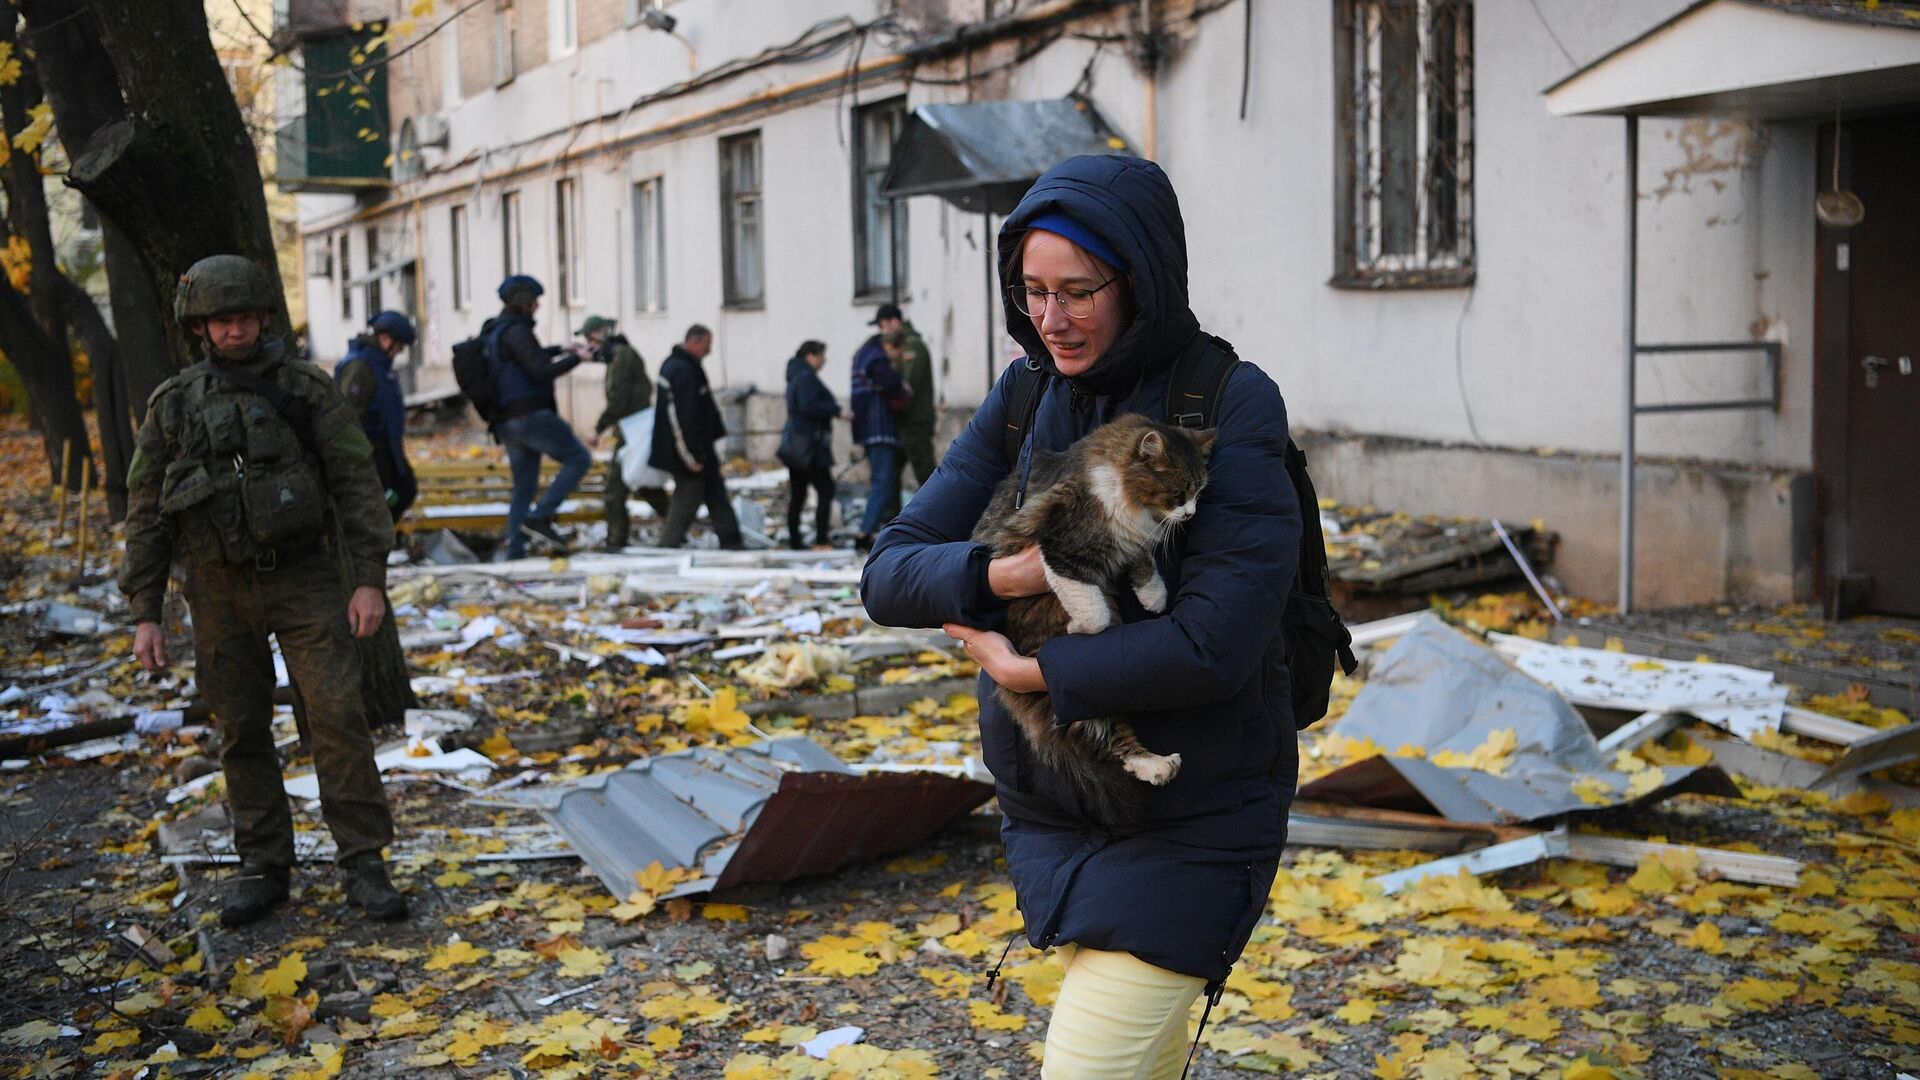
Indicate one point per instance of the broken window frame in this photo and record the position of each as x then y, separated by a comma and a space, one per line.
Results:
1437, 241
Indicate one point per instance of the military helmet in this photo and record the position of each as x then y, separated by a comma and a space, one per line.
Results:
394, 325
222, 285
520, 289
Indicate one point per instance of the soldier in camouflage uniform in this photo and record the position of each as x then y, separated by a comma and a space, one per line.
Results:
249, 467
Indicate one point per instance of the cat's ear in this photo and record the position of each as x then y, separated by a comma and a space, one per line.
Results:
1152, 445
1204, 440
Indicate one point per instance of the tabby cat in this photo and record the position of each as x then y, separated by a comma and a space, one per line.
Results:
1098, 511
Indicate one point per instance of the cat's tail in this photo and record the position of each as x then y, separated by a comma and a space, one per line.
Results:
1084, 756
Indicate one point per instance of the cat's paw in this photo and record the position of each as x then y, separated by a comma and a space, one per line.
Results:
1155, 769
1152, 595
1090, 622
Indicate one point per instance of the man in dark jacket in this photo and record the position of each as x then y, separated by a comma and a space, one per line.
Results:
915, 366
877, 391
686, 425
365, 378
1207, 678
628, 391
529, 422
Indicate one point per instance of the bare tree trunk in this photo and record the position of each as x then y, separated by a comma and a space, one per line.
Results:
110, 408
178, 173
84, 90
31, 327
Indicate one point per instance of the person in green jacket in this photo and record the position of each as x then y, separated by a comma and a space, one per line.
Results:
915, 366
252, 471
629, 390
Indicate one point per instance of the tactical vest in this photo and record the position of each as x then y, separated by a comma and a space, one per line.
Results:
240, 485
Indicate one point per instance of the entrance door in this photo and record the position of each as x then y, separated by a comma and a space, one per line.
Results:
1881, 546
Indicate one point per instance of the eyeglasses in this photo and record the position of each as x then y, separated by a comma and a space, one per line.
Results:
1073, 303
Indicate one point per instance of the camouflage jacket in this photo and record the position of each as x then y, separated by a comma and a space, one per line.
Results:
219, 475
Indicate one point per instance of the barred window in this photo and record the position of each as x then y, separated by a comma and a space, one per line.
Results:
649, 248
1405, 123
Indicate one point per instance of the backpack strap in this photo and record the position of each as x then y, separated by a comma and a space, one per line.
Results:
1199, 380
1313, 583
1023, 400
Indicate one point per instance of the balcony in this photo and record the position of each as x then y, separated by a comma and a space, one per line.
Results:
341, 142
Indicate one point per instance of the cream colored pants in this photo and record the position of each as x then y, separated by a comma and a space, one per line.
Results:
1118, 1018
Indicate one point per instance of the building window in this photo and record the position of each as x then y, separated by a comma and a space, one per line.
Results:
345, 266
880, 224
741, 227
1405, 121
373, 272
563, 27
566, 228
649, 248
510, 249
506, 43
462, 246
450, 64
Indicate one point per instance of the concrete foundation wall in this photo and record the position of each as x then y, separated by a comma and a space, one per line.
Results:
1705, 532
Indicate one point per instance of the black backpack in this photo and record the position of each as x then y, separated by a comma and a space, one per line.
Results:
1316, 638
474, 370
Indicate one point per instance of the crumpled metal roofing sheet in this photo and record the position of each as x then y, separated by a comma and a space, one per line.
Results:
1441, 690
983, 155
767, 811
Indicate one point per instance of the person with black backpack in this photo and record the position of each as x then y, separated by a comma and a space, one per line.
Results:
526, 418
365, 378
1151, 913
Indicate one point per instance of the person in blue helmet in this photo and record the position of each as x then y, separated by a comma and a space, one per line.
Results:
1150, 913
528, 420
365, 377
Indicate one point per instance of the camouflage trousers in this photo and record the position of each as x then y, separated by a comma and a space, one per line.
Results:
619, 523
303, 604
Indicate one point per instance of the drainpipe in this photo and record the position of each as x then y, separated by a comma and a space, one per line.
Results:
1150, 89
1630, 348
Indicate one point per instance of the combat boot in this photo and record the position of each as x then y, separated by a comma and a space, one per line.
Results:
256, 891
367, 888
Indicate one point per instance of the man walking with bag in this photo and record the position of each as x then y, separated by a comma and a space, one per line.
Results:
628, 391
686, 425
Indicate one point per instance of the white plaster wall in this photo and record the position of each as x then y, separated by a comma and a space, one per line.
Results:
1529, 356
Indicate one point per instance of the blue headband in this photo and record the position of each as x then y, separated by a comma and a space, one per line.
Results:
1090, 242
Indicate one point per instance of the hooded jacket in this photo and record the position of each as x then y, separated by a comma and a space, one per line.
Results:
1183, 887
810, 410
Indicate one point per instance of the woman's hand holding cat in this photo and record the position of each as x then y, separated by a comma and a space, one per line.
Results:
995, 655
1020, 574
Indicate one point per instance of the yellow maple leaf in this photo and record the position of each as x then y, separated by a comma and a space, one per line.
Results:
1668, 871
637, 905
453, 879
17, 256
1358, 1011
836, 955
1583, 1068
1594, 791
455, 954
1389, 1068
40, 122
1568, 991
9, 64
1492, 756
284, 979
583, 963
1706, 938
721, 715
500, 748
656, 880
109, 1041
666, 1037
724, 912
987, 1016
208, 1020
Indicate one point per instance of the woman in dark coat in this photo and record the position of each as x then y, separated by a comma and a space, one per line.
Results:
806, 444
1159, 910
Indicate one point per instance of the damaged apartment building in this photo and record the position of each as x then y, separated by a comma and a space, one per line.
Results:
1444, 227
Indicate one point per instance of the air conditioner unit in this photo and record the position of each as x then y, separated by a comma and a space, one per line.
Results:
434, 131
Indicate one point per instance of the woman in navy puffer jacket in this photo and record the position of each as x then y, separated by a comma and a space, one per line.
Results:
1159, 910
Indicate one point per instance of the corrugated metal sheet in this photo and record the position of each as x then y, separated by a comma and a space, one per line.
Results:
769, 811
1439, 690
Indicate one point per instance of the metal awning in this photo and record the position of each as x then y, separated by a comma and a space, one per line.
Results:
983, 156
1762, 59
